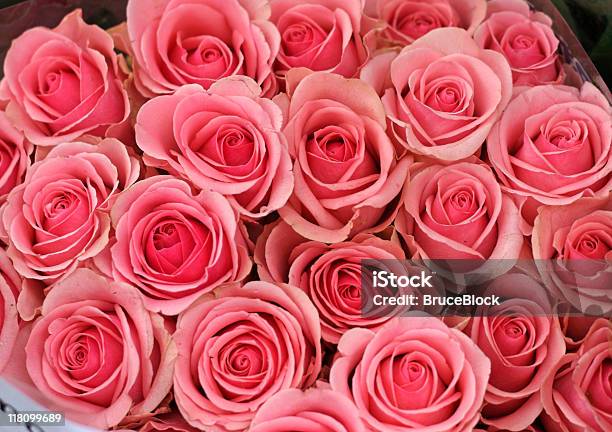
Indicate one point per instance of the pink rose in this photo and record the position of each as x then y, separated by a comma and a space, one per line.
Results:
329, 274
414, 373
407, 20
59, 216
572, 246
64, 82
14, 156
226, 139
493, 429
177, 42
173, 245
313, 410
346, 177
445, 93
524, 343
458, 212
170, 422
552, 146
97, 353
525, 38
577, 395
575, 328
321, 35
240, 347
10, 284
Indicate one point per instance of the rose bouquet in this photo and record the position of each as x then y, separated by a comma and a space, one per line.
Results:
187, 200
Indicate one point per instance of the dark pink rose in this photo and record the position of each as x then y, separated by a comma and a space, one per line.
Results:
525, 38
445, 93
97, 354
553, 146
572, 246
174, 245
10, 284
407, 20
64, 82
177, 42
524, 342
577, 396
226, 139
347, 179
414, 373
458, 212
329, 274
14, 156
241, 346
321, 35
59, 216
309, 411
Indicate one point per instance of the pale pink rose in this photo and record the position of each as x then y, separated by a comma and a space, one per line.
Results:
329, 274
14, 156
240, 347
97, 354
407, 20
64, 82
177, 42
226, 139
572, 246
347, 179
524, 342
313, 410
321, 35
525, 38
553, 146
173, 245
414, 373
445, 93
458, 212
577, 395
10, 285
59, 216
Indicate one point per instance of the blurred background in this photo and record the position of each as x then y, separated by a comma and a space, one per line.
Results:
591, 20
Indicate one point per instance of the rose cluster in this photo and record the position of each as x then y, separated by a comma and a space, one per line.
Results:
186, 200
